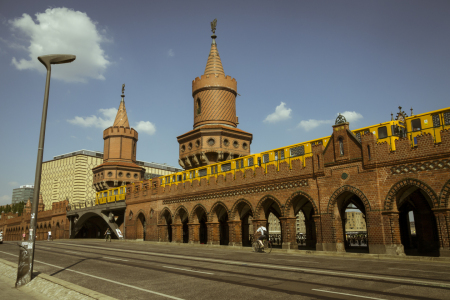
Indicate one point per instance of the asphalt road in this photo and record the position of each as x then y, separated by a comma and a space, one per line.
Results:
141, 270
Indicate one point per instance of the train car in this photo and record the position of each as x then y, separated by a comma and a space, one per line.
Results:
430, 122
384, 132
111, 195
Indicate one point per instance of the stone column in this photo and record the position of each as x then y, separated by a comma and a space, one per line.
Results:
288, 232
177, 233
194, 233
392, 233
235, 229
163, 234
213, 233
318, 229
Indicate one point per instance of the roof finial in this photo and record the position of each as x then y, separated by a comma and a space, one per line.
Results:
213, 29
123, 92
411, 111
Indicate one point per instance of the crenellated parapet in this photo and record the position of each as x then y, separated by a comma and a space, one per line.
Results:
120, 131
211, 81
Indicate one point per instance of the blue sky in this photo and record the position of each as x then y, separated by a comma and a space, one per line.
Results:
297, 64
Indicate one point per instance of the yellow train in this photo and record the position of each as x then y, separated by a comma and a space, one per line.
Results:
403, 126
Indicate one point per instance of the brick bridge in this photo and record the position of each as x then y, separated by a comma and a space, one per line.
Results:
384, 185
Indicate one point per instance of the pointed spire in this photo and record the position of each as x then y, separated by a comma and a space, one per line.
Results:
121, 117
214, 64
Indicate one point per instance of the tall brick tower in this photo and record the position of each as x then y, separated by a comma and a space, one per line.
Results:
215, 136
119, 153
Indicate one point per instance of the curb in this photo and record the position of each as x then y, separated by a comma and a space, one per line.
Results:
50, 287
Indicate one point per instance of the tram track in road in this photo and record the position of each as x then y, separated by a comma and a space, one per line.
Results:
240, 277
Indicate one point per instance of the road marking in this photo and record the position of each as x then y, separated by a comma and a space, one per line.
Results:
303, 269
115, 258
310, 262
347, 294
45, 248
101, 278
418, 271
188, 270
72, 252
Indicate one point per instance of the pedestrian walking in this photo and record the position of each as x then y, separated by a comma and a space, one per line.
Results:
108, 235
49, 238
23, 236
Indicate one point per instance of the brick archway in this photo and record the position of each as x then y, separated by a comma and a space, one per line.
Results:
213, 209
445, 195
391, 196
351, 189
193, 212
234, 209
176, 214
302, 194
161, 217
265, 198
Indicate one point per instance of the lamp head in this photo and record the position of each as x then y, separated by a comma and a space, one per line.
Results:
54, 59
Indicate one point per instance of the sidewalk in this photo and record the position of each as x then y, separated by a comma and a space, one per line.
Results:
8, 291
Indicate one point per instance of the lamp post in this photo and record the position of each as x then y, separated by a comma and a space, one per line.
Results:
26, 257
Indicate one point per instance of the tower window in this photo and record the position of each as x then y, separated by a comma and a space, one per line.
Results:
341, 146
199, 106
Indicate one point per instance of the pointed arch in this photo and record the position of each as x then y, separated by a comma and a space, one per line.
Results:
391, 196
351, 189
193, 211
263, 199
445, 195
214, 207
176, 214
302, 194
234, 209
141, 211
163, 212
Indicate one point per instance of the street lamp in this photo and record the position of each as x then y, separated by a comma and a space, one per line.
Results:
26, 257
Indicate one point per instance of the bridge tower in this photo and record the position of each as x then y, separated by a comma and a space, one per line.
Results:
119, 153
215, 136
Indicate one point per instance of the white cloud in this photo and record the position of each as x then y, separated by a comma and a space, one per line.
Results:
281, 113
170, 53
145, 126
13, 184
350, 116
311, 124
62, 30
106, 118
104, 121
5, 198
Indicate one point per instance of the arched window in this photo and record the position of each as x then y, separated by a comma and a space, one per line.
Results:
341, 146
368, 151
199, 106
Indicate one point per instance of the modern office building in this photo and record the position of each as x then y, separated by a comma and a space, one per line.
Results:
22, 194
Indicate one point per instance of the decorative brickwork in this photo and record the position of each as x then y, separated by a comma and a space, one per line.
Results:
408, 182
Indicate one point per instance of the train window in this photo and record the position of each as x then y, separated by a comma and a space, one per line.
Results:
174, 178
116, 192
184, 176
202, 172
366, 131
167, 179
276, 155
259, 161
447, 118
121, 190
282, 154
226, 167
436, 121
179, 178
250, 161
214, 169
358, 136
266, 158
382, 132
298, 151
105, 194
110, 193
124, 190
416, 125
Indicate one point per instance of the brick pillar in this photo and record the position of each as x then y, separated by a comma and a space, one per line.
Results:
177, 234
194, 233
311, 239
443, 226
375, 236
163, 234
235, 229
318, 229
213, 233
392, 233
288, 232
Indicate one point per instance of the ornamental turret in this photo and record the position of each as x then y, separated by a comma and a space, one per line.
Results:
119, 153
215, 136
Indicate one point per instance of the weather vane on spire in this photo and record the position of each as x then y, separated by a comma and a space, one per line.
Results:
123, 88
213, 26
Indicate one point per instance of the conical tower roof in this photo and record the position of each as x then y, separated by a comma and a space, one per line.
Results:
28, 203
121, 117
214, 64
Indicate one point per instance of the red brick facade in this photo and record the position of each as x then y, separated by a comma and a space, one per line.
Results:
380, 182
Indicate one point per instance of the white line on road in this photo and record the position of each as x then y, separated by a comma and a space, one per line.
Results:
347, 294
101, 278
72, 252
305, 261
115, 258
44, 248
418, 271
275, 267
188, 270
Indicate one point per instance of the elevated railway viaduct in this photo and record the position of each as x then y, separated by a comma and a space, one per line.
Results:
384, 185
